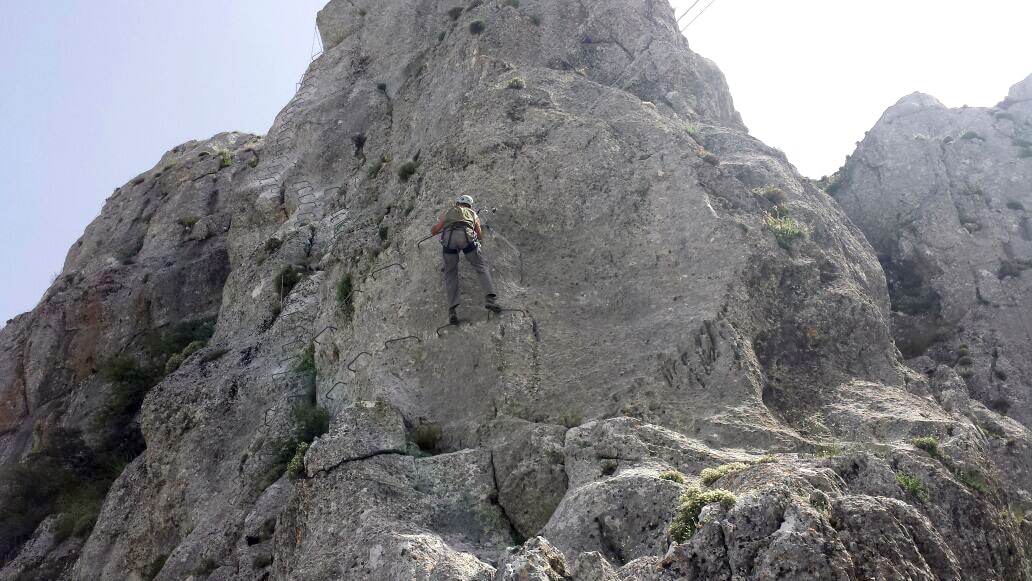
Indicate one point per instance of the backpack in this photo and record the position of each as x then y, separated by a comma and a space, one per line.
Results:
460, 216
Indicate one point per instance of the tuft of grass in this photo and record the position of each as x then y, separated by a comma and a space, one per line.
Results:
517, 84
286, 280
828, 451
296, 466
912, 485
784, 228
306, 363
477, 27
929, 444
973, 479
188, 221
384, 233
345, 296
154, 567
225, 157
407, 170
376, 167
773, 194
767, 459
965, 360
686, 520
672, 476
711, 475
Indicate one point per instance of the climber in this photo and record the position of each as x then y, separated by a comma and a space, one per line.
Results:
460, 230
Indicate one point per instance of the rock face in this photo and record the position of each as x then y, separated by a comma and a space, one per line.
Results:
680, 299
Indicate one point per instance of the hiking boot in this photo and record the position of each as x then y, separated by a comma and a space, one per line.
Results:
491, 304
453, 317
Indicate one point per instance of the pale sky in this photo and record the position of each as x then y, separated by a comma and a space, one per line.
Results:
94, 92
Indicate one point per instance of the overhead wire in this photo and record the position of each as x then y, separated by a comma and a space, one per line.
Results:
698, 15
687, 11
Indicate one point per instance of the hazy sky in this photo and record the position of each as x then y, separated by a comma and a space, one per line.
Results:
94, 92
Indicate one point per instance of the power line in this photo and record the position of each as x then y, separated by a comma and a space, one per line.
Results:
687, 11
698, 15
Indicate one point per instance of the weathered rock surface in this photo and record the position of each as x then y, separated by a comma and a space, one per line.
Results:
665, 321
943, 195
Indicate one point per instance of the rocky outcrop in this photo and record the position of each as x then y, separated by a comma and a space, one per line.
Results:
943, 196
680, 300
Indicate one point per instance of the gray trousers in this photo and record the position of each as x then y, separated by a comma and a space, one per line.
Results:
459, 240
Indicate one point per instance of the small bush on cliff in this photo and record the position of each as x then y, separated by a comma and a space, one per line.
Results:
773, 194
913, 486
296, 467
784, 228
686, 520
286, 280
376, 167
455, 13
929, 444
973, 479
477, 27
345, 296
225, 157
672, 476
407, 170
711, 475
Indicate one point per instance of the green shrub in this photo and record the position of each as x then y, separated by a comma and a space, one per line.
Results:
188, 221
346, 295
711, 475
929, 444
296, 466
154, 567
965, 361
455, 13
913, 486
225, 157
384, 232
173, 363
286, 280
407, 170
686, 519
179, 337
784, 228
672, 476
973, 479
828, 451
306, 363
768, 459
517, 84
376, 167
194, 347
773, 194
272, 245
310, 421
80, 507
477, 27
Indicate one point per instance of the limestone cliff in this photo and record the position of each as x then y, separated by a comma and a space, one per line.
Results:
686, 311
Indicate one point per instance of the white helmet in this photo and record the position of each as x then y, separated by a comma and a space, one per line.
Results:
467, 200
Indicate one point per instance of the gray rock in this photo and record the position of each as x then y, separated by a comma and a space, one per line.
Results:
666, 318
